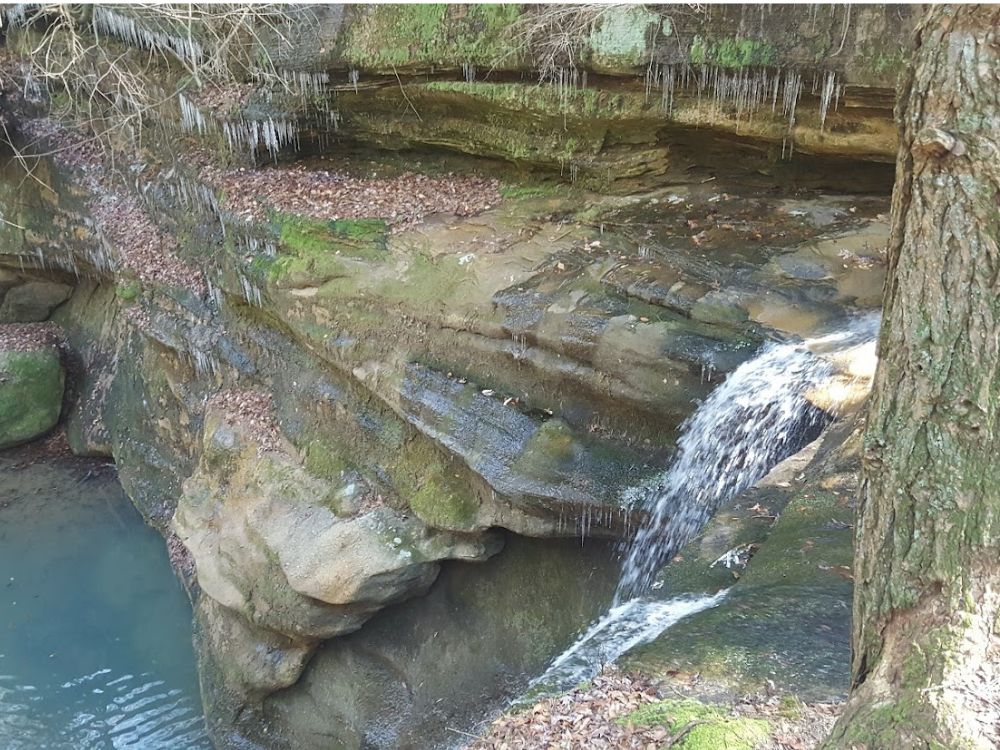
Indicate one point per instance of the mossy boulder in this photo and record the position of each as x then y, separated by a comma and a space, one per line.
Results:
31, 394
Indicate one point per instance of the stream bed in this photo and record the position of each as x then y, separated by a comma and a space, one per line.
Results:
95, 629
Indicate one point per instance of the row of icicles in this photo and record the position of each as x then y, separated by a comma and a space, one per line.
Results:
747, 91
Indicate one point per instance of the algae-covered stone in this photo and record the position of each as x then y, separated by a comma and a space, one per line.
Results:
31, 393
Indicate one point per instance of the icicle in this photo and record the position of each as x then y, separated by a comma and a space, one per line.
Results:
668, 76
192, 118
829, 87
112, 23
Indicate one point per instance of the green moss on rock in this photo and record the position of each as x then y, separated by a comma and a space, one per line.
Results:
315, 251
360, 238
433, 488
732, 52
714, 730
31, 391
322, 461
385, 38
128, 291
439, 503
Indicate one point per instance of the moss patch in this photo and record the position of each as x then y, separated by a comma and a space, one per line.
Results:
322, 461
732, 52
434, 488
31, 391
515, 192
714, 730
384, 38
315, 251
359, 238
128, 291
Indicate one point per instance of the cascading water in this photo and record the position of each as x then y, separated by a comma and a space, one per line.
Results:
756, 418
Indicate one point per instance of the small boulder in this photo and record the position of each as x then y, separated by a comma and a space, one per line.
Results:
31, 383
33, 301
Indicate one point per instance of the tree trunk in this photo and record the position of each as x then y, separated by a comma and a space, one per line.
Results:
926, 665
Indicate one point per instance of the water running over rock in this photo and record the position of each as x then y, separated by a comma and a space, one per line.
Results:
624, 627
757, 417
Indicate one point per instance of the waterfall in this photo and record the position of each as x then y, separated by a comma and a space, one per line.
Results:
756, 418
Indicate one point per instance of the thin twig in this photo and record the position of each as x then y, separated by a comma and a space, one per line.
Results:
403, 89
682, 733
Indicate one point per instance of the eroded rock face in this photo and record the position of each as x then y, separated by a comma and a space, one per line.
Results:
268, 545
515, 369
449, 658
31, 390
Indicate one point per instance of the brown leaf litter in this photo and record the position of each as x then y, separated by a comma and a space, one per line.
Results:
253, 411
142, 247
29, 337
402, 201
588, 718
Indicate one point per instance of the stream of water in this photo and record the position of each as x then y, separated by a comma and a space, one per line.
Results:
95, 630
756, 418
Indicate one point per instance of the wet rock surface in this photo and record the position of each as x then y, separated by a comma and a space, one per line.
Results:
784, 550
336, 385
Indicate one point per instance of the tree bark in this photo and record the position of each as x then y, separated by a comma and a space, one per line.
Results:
926, 663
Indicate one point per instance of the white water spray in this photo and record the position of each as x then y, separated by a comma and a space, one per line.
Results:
756, 418
624, 627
